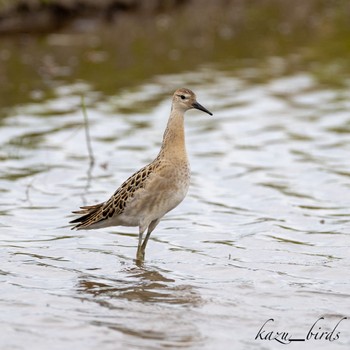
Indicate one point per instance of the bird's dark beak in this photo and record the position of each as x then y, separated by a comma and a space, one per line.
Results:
196, 105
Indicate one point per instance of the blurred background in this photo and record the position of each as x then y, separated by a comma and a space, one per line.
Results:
264, 231
113, 44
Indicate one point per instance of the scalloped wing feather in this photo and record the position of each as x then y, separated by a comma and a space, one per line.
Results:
92, 215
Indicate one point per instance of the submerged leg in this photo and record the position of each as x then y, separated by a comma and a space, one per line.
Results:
151, 227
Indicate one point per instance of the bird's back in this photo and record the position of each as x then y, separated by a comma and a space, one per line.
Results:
145, 196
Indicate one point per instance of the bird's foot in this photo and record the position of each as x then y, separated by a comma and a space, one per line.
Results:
140, 257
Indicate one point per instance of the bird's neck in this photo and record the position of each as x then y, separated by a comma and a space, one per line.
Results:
174, 136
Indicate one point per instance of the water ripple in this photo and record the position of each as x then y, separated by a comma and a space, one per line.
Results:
263, 232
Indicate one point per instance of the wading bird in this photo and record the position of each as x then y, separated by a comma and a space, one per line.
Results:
146, 196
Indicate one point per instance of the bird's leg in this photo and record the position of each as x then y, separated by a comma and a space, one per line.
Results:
151, 227
139, 255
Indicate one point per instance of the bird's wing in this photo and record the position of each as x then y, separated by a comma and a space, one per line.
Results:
115, 205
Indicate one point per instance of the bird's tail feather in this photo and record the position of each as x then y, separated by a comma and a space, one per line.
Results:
89, 215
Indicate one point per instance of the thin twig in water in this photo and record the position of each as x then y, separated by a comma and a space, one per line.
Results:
87, 132
89, 147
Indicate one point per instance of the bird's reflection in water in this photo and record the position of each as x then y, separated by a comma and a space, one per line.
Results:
141, 303
143, 284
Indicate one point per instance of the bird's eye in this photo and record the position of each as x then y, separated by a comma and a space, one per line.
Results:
183, 97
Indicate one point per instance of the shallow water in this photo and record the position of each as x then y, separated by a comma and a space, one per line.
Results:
263, 232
